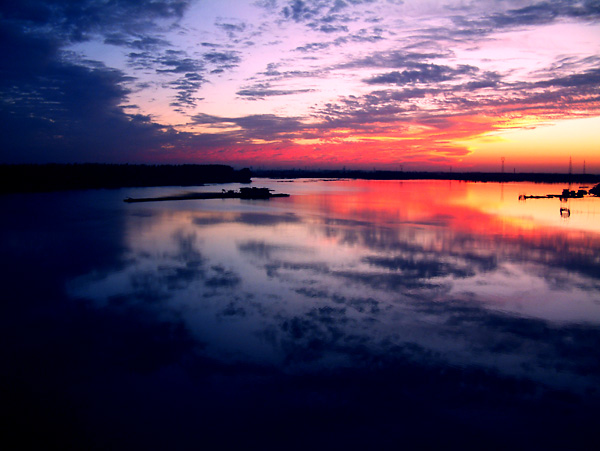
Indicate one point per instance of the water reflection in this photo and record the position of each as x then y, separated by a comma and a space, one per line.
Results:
372, 263
411, 301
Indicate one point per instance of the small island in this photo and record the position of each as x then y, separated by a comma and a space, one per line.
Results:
242, 193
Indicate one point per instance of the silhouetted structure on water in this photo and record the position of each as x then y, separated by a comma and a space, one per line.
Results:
566, 195
243, 193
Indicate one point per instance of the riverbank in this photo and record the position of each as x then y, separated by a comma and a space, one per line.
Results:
421, 175
60, 177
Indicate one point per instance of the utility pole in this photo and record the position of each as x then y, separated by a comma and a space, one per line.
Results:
583, 167
502, 159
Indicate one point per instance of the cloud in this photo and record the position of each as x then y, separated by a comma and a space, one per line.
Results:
299, 10
414, 73
186, 90
145, 43
394, 59
275, 74
75, 117
445, 101
194, 70
190, 71
222, 60
422, 73
312, 12
263, 90
258, 126
232, 29
546, 12
588, 80
362, 36
51, 106
176, 61
314, 46
78, 21
458, 91
505, 18
58, 107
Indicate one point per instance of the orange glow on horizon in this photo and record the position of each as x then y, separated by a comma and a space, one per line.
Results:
529, 140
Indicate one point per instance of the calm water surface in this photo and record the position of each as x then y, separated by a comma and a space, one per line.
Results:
351, 314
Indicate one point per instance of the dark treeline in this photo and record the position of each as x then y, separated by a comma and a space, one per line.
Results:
404, 175
52, 177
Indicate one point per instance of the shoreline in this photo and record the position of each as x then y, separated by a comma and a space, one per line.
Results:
29, 178
63, 177
424, 175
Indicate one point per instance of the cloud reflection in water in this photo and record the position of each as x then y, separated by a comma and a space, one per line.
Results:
361, 313
322, 282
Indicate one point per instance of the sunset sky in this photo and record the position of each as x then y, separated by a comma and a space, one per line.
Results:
385, 84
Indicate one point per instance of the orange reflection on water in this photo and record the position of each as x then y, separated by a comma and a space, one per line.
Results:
458, 217
387, 242
488, 208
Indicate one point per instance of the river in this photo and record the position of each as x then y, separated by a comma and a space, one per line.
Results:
351, 314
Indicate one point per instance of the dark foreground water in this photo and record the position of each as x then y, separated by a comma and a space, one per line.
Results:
351, 315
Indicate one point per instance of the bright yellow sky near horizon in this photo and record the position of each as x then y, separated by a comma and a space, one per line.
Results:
542, 147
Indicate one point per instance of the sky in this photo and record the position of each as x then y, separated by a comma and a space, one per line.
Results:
452, 85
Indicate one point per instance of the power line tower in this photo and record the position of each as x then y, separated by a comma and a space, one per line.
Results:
583, 167
502, 159
570, 172
570, 167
